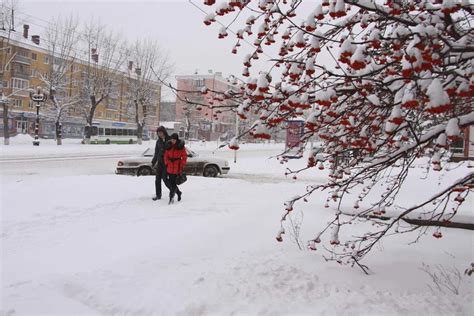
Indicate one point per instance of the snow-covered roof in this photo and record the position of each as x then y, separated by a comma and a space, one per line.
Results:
20, 41
215, 76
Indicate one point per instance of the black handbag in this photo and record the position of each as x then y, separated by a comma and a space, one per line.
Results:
181, 178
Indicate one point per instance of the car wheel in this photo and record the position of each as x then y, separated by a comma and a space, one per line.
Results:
107, 141
211, 171
144, 171
130, 141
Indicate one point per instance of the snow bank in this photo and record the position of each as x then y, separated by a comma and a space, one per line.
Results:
20, 139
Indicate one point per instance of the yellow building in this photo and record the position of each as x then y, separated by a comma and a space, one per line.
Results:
22, 62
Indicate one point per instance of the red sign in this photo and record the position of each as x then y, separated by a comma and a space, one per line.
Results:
294, 132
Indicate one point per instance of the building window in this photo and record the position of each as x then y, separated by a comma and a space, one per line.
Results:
108, 115
47, 128
457, 147
31, 105
33, 72
198, 82
18, 103
46, 59
34, 56
116, 116
5, 84
23, 53
20, 83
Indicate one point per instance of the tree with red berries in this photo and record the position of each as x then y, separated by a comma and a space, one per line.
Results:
381, 83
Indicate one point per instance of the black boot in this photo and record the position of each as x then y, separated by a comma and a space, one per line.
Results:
156, 197
179, 195
171, 200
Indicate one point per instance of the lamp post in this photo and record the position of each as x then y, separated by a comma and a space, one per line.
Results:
4, 104
38, 96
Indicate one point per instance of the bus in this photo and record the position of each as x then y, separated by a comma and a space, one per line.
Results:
108, 132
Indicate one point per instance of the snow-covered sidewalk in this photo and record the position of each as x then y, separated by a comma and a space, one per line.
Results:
107, 248
21, 147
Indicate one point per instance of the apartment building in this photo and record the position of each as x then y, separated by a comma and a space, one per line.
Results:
23, 62
204, 122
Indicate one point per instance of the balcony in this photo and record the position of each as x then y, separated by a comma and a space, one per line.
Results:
20, 92
20, 74
21, 59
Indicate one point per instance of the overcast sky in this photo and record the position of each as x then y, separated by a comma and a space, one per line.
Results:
176, 24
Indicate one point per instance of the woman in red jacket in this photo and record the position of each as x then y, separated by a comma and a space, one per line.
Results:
175, 160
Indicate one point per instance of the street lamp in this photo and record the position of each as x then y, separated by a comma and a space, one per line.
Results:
6, 126
39, 97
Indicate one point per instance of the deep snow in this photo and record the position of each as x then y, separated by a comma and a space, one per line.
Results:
77, 239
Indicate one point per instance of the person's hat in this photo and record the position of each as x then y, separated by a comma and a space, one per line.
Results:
161, 129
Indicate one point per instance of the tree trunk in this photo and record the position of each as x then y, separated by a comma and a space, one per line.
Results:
58, 133
137, 121
139, 133
6, 130
87, 139
90, 118
88, 131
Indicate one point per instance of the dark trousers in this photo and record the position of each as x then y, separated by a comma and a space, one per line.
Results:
172, 185
161, 174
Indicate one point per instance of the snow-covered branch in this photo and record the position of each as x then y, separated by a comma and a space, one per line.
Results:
379, 83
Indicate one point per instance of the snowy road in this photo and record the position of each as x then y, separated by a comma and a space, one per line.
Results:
78, 239
56, 158
97, 165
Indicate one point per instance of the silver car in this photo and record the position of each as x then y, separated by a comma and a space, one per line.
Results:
201, 166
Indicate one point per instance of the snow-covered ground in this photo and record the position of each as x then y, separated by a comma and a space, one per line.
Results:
78, 239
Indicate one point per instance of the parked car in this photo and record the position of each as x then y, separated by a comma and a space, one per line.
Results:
201, 166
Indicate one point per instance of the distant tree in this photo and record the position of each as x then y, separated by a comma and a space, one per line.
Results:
7, 9
61, 40
381, 83
148, 67
103, 67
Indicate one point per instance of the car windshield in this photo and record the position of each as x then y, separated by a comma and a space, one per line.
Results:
191, 153
148, 153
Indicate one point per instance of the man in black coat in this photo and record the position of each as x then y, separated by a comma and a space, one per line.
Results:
158, 161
